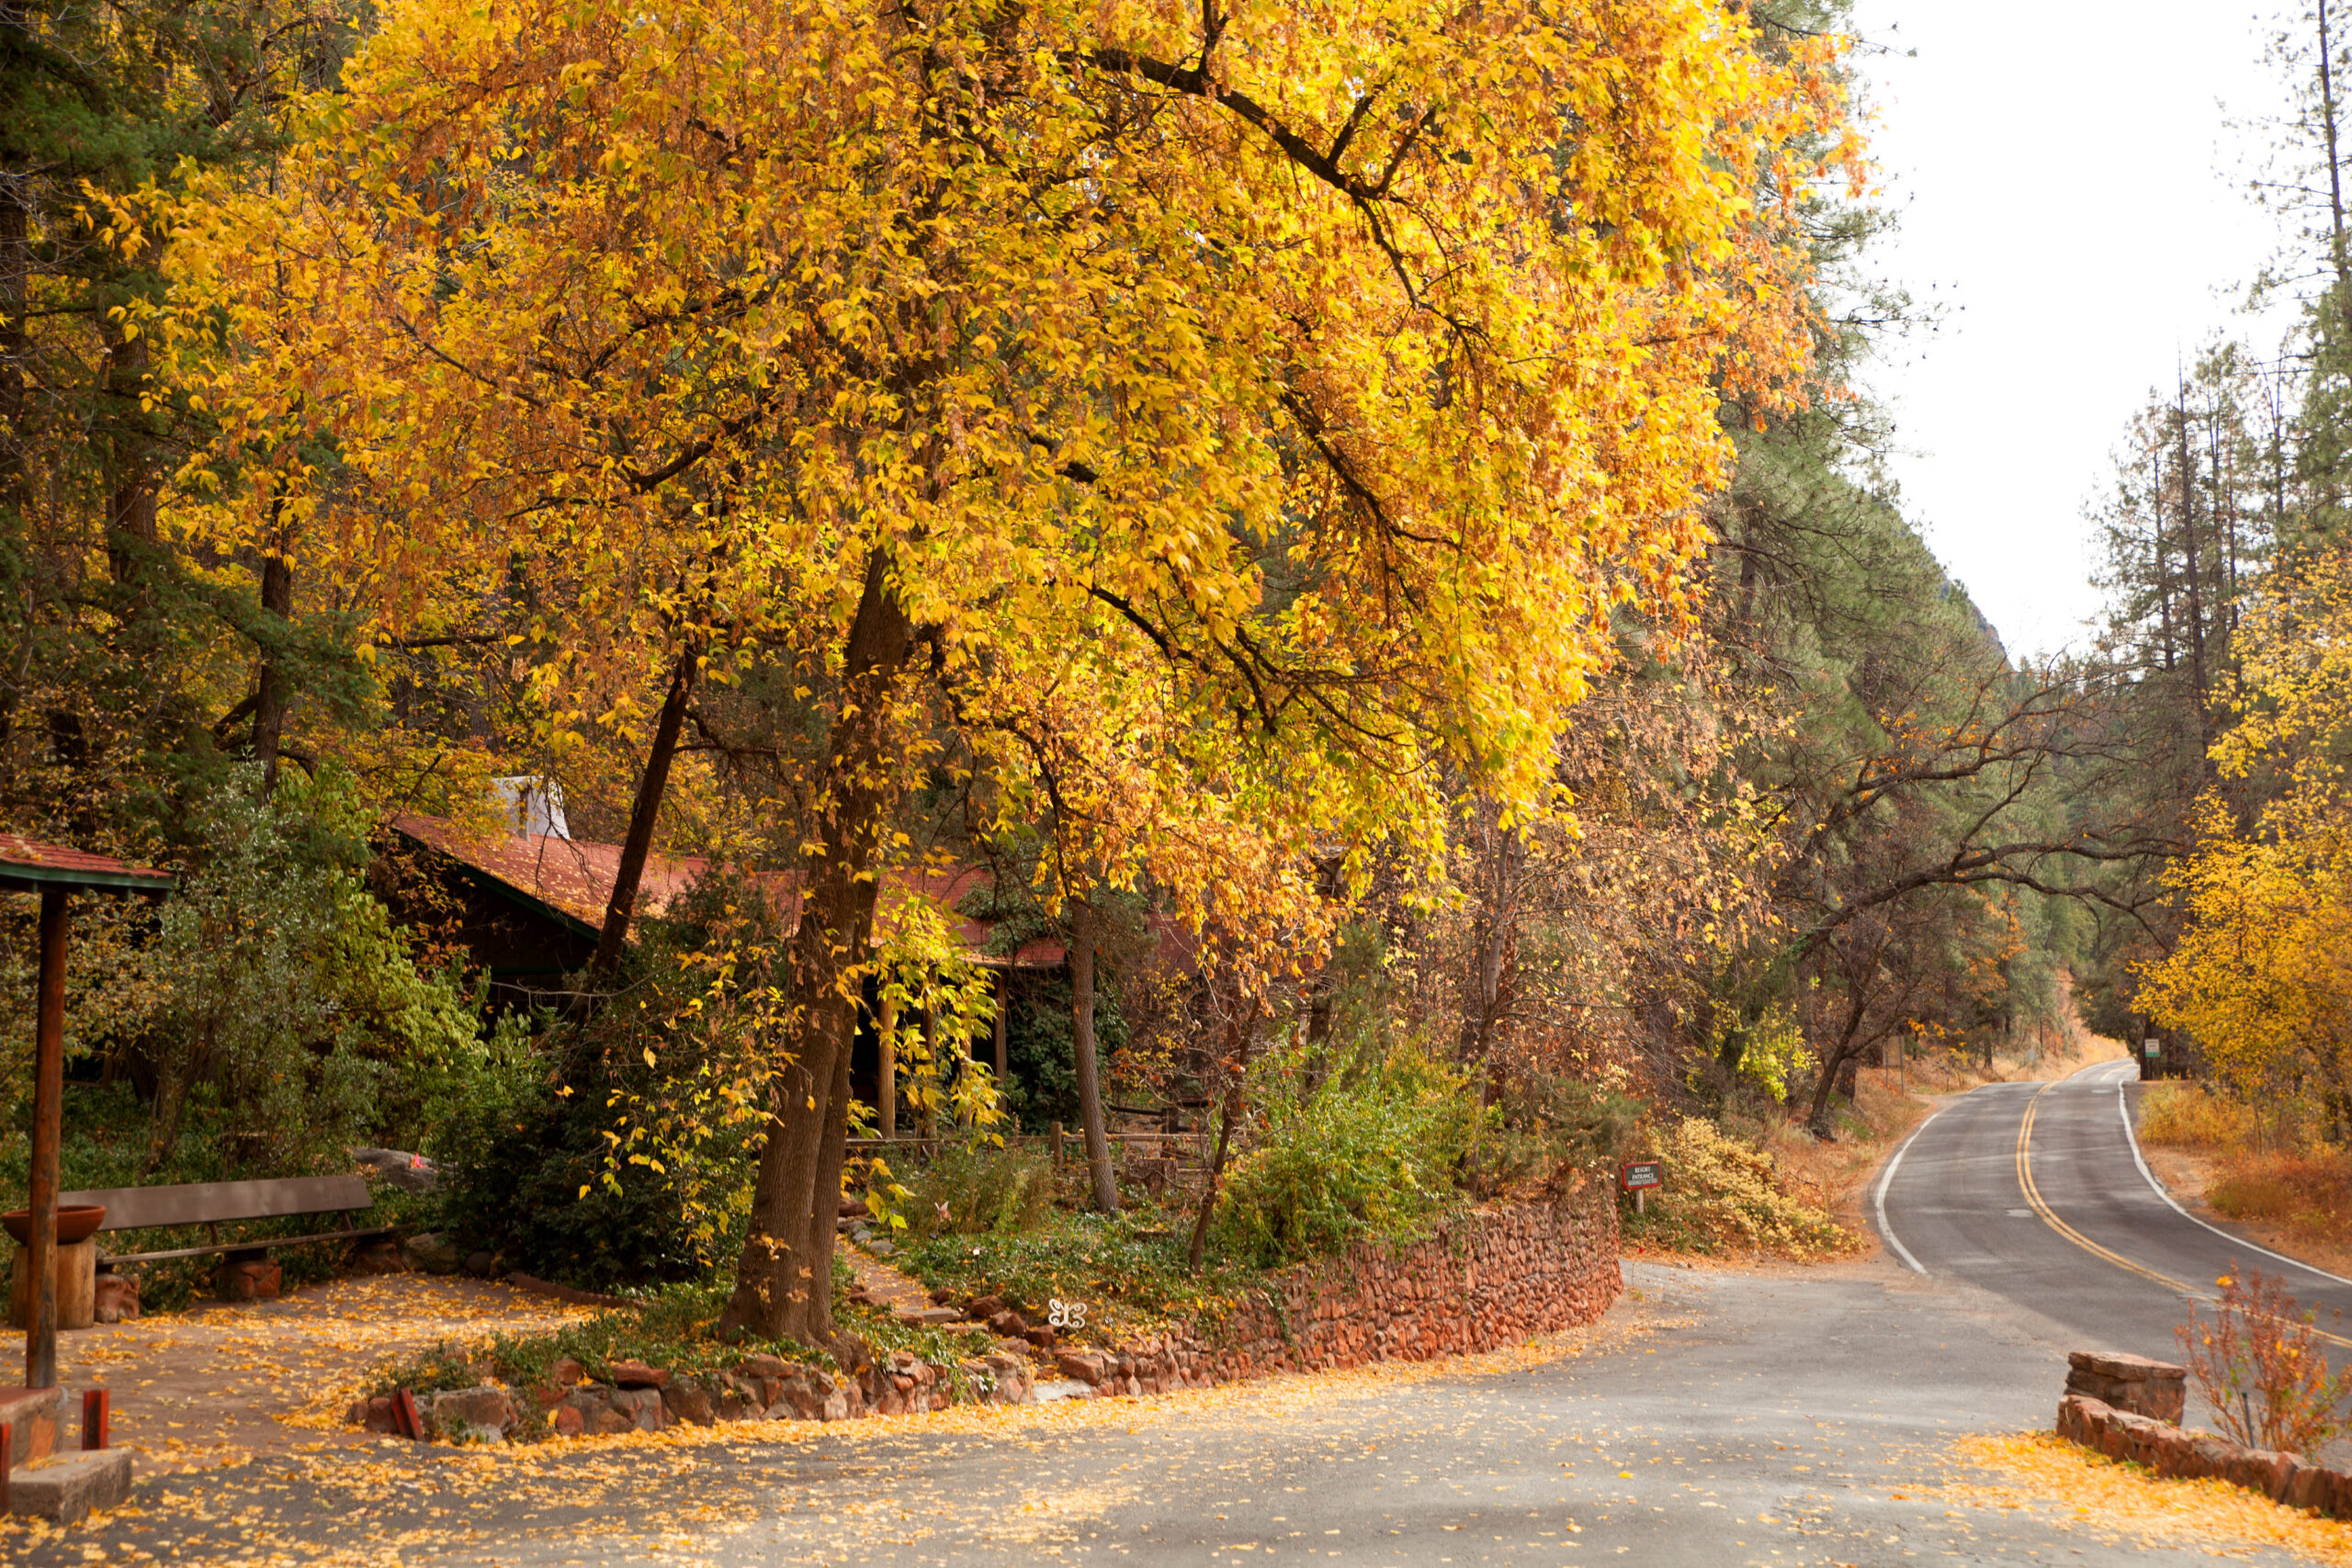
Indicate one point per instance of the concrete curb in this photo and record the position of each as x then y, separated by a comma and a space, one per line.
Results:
66, 1488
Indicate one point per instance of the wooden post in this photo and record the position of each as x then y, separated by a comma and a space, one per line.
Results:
1004, 1008
49, 1111
1057, 1146
926, 1114
97, 1411
889, 1068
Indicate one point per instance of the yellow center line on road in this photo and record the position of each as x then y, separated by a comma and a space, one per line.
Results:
2050, 1217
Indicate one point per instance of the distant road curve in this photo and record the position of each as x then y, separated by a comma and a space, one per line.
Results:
2037, 1193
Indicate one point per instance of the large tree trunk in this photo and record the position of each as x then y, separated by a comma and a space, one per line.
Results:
1241, 1034
132, 536
621, 907
1494, 945
1082, 936
1817, 1115
15, 337
784, 1279
269, 705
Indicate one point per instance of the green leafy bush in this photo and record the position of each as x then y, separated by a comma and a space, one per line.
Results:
1127, 1270
548, 1164
1551, 1127
977, 1188
285, 1006
1371, 1152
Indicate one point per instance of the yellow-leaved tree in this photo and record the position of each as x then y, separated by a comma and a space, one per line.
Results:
2262, 974
1318, 379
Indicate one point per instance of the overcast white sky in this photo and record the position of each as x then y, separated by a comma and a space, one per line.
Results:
2070, 190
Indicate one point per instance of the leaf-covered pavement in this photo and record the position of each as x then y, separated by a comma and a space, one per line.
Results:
1727, 1418
224, 1383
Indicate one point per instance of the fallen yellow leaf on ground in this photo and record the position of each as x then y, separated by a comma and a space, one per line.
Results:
2127, 1500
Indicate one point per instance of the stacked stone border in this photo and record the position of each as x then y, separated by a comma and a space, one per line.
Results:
2141, 1427
1481, 1280
647, 1399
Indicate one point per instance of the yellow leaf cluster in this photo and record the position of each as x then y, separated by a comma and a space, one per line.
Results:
1262, 409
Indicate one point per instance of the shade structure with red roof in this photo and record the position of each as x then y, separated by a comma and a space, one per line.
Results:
568, 882
55, 871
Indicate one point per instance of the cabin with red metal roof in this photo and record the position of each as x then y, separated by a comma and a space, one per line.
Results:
528, 905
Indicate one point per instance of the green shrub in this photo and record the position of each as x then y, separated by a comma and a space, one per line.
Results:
1724, 1194
673, 1328
1371, 1152
281, 1002
974, 1189
1129, 1270
545, 1163
1551, 1127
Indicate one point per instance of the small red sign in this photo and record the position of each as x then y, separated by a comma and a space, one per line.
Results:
1635, 1175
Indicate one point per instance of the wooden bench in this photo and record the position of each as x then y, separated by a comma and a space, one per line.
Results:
215, 1203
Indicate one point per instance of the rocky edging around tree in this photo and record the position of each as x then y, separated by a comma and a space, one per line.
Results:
2167, 1451
1481, 1280
652, 1399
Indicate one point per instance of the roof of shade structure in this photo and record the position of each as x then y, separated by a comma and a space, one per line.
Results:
28, 864
571, 880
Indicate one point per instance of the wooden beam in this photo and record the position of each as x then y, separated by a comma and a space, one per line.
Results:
49, 1112
1003, 1008
889, 1021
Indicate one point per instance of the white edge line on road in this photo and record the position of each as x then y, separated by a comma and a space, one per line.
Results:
1879, 1200
2124, 1110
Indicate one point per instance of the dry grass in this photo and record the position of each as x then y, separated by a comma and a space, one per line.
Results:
2183, 1115
2220, 1154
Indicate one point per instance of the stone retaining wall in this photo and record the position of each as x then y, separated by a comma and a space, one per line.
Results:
2168, 1451
1485, 1279
647, 1399
2135, 1383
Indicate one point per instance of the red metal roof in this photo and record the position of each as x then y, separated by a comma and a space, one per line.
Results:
575, 876
28, 863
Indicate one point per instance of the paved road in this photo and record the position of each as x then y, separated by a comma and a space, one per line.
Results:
2092, 1244
1766, 1417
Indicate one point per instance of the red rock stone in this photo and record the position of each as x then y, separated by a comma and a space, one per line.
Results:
689, 1401
249, 1280
116, 1298
637, 1374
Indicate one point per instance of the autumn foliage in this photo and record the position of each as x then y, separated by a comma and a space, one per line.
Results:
2262, 1367
1211, 430
2259, 977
